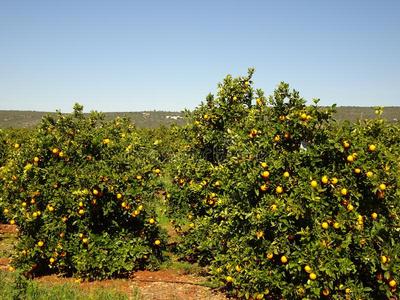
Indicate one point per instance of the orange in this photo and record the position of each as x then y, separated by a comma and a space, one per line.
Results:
265, 174
392, 283
314, 183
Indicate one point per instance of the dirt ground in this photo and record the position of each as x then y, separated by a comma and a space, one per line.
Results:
169, 284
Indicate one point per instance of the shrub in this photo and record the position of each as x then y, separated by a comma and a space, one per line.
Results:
79, 190
280, 201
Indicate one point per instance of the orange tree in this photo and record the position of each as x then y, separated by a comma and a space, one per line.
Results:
79, 190
10, 140
280, 201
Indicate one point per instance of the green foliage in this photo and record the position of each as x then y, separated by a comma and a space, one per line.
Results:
269, 185
272, 195
80, 190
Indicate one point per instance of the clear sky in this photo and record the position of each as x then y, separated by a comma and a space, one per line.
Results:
168, 55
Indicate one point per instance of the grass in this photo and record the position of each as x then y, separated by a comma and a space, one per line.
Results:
14, 286
7, 241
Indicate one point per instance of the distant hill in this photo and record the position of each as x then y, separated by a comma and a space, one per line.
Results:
148, 119
151, 119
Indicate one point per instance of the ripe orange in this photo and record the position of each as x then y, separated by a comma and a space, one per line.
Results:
40, 243
370, 174
384, 259
238, 268
336, 225
277, 138
382, 186
334, 180
270, 255
392, 283
265, 174
350, 158
350, 207
228, 279
286, 174
157, 242
325, 225
284, 259
274, 207
260, 234
152, 221
264, 187
374, 216
314, 183
343, 191
313, 276
346, 144
357, 170
279, 189
371, 148
308, 269
324, 179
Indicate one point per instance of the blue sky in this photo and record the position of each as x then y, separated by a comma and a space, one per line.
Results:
168, 55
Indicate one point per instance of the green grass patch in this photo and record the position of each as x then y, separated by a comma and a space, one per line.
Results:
7, 241
15, 286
